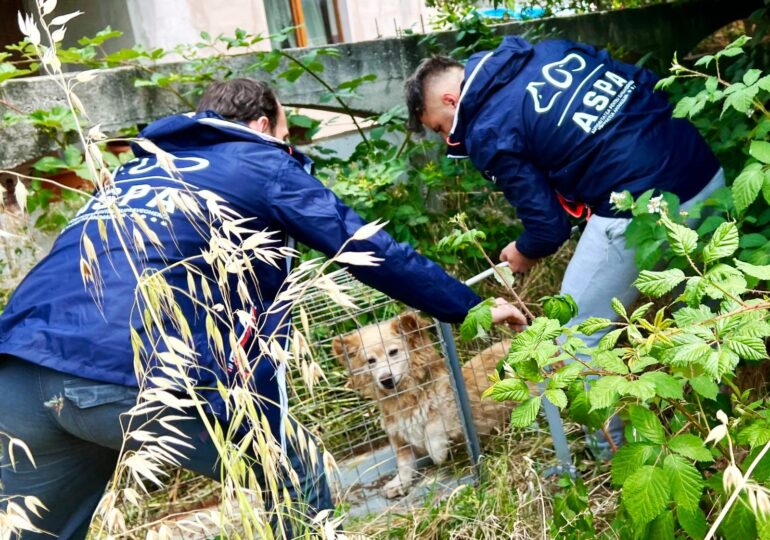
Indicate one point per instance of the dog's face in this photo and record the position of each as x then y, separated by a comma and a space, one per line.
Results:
379, 357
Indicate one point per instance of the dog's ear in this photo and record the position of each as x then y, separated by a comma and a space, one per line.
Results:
411, 326
344, 347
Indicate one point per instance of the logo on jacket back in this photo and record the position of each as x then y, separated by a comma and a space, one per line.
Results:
148, 195
597, 103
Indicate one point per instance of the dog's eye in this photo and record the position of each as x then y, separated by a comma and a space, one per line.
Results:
371, 360
393, 352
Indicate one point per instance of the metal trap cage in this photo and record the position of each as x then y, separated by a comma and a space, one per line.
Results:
397, 391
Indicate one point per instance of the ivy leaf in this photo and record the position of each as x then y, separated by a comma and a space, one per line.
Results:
646, 493
592, 325
759, 272
628, 459
508, 390
525, 414
647, 424
723, 242
657, 284
760, 150
556, 396
747, 185
690, 446
685, 481
705, 387
666, 386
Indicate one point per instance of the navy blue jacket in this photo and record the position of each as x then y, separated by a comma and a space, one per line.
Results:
52, 319
562, 117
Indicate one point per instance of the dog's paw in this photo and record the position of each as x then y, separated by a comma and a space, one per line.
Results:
395, 488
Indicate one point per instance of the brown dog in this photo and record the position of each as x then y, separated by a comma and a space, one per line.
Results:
396, 364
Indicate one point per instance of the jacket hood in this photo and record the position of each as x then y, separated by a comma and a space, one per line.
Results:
485, 73
185, 132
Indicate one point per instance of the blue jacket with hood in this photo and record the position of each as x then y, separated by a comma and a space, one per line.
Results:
562, 119
52, 319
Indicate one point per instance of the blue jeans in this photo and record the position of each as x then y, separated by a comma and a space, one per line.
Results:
73, 429
603, 268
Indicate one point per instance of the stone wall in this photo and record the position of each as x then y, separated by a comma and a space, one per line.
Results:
113, 102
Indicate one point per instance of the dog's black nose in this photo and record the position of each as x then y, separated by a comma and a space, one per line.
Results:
388, 382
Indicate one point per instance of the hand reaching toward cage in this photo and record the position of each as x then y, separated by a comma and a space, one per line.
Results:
505, 312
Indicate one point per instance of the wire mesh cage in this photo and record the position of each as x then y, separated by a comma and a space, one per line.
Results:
400, 410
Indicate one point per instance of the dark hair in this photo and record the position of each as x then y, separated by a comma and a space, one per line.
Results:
241, 100
414, 87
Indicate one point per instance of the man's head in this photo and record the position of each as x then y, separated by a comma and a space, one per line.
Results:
432, 94
250, 102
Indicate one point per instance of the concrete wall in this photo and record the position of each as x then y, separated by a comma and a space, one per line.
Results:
113, 102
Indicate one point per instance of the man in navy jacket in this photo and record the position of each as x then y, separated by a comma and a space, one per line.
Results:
66, 360
559, 127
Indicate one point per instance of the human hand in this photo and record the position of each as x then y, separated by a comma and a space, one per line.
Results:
516, 261
505, 312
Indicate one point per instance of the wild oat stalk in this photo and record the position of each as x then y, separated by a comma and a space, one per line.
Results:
233, 248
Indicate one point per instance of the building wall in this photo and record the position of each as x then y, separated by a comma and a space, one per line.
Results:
365, 19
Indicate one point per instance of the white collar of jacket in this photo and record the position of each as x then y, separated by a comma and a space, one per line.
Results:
456, 149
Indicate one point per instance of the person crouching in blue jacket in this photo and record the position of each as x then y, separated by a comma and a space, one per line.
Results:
67, 362
559, 127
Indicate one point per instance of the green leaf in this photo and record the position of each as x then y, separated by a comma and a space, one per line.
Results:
556, 396
693, 522
685, 481
628, 459
747, 185
662, 528
746, 347
728, 361
610, 361
641, 388
508, 390
759, 272
666, 386
690, 446
610, 339
618, 307
739, 524
525, 414
561, 307
647, 424
683, 240
689, 316
478, 321
606, 391
657, 284
566, 375
755, 434
640, 312
705, 387
760, 150
646, 493
723, 242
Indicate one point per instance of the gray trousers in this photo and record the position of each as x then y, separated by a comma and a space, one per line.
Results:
603, 268
73, 429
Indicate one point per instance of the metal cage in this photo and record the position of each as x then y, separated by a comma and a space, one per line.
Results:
351, 425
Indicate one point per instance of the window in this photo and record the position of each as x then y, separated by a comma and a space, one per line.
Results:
317, 22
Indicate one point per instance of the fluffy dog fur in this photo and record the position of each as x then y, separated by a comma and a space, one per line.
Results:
396, 364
